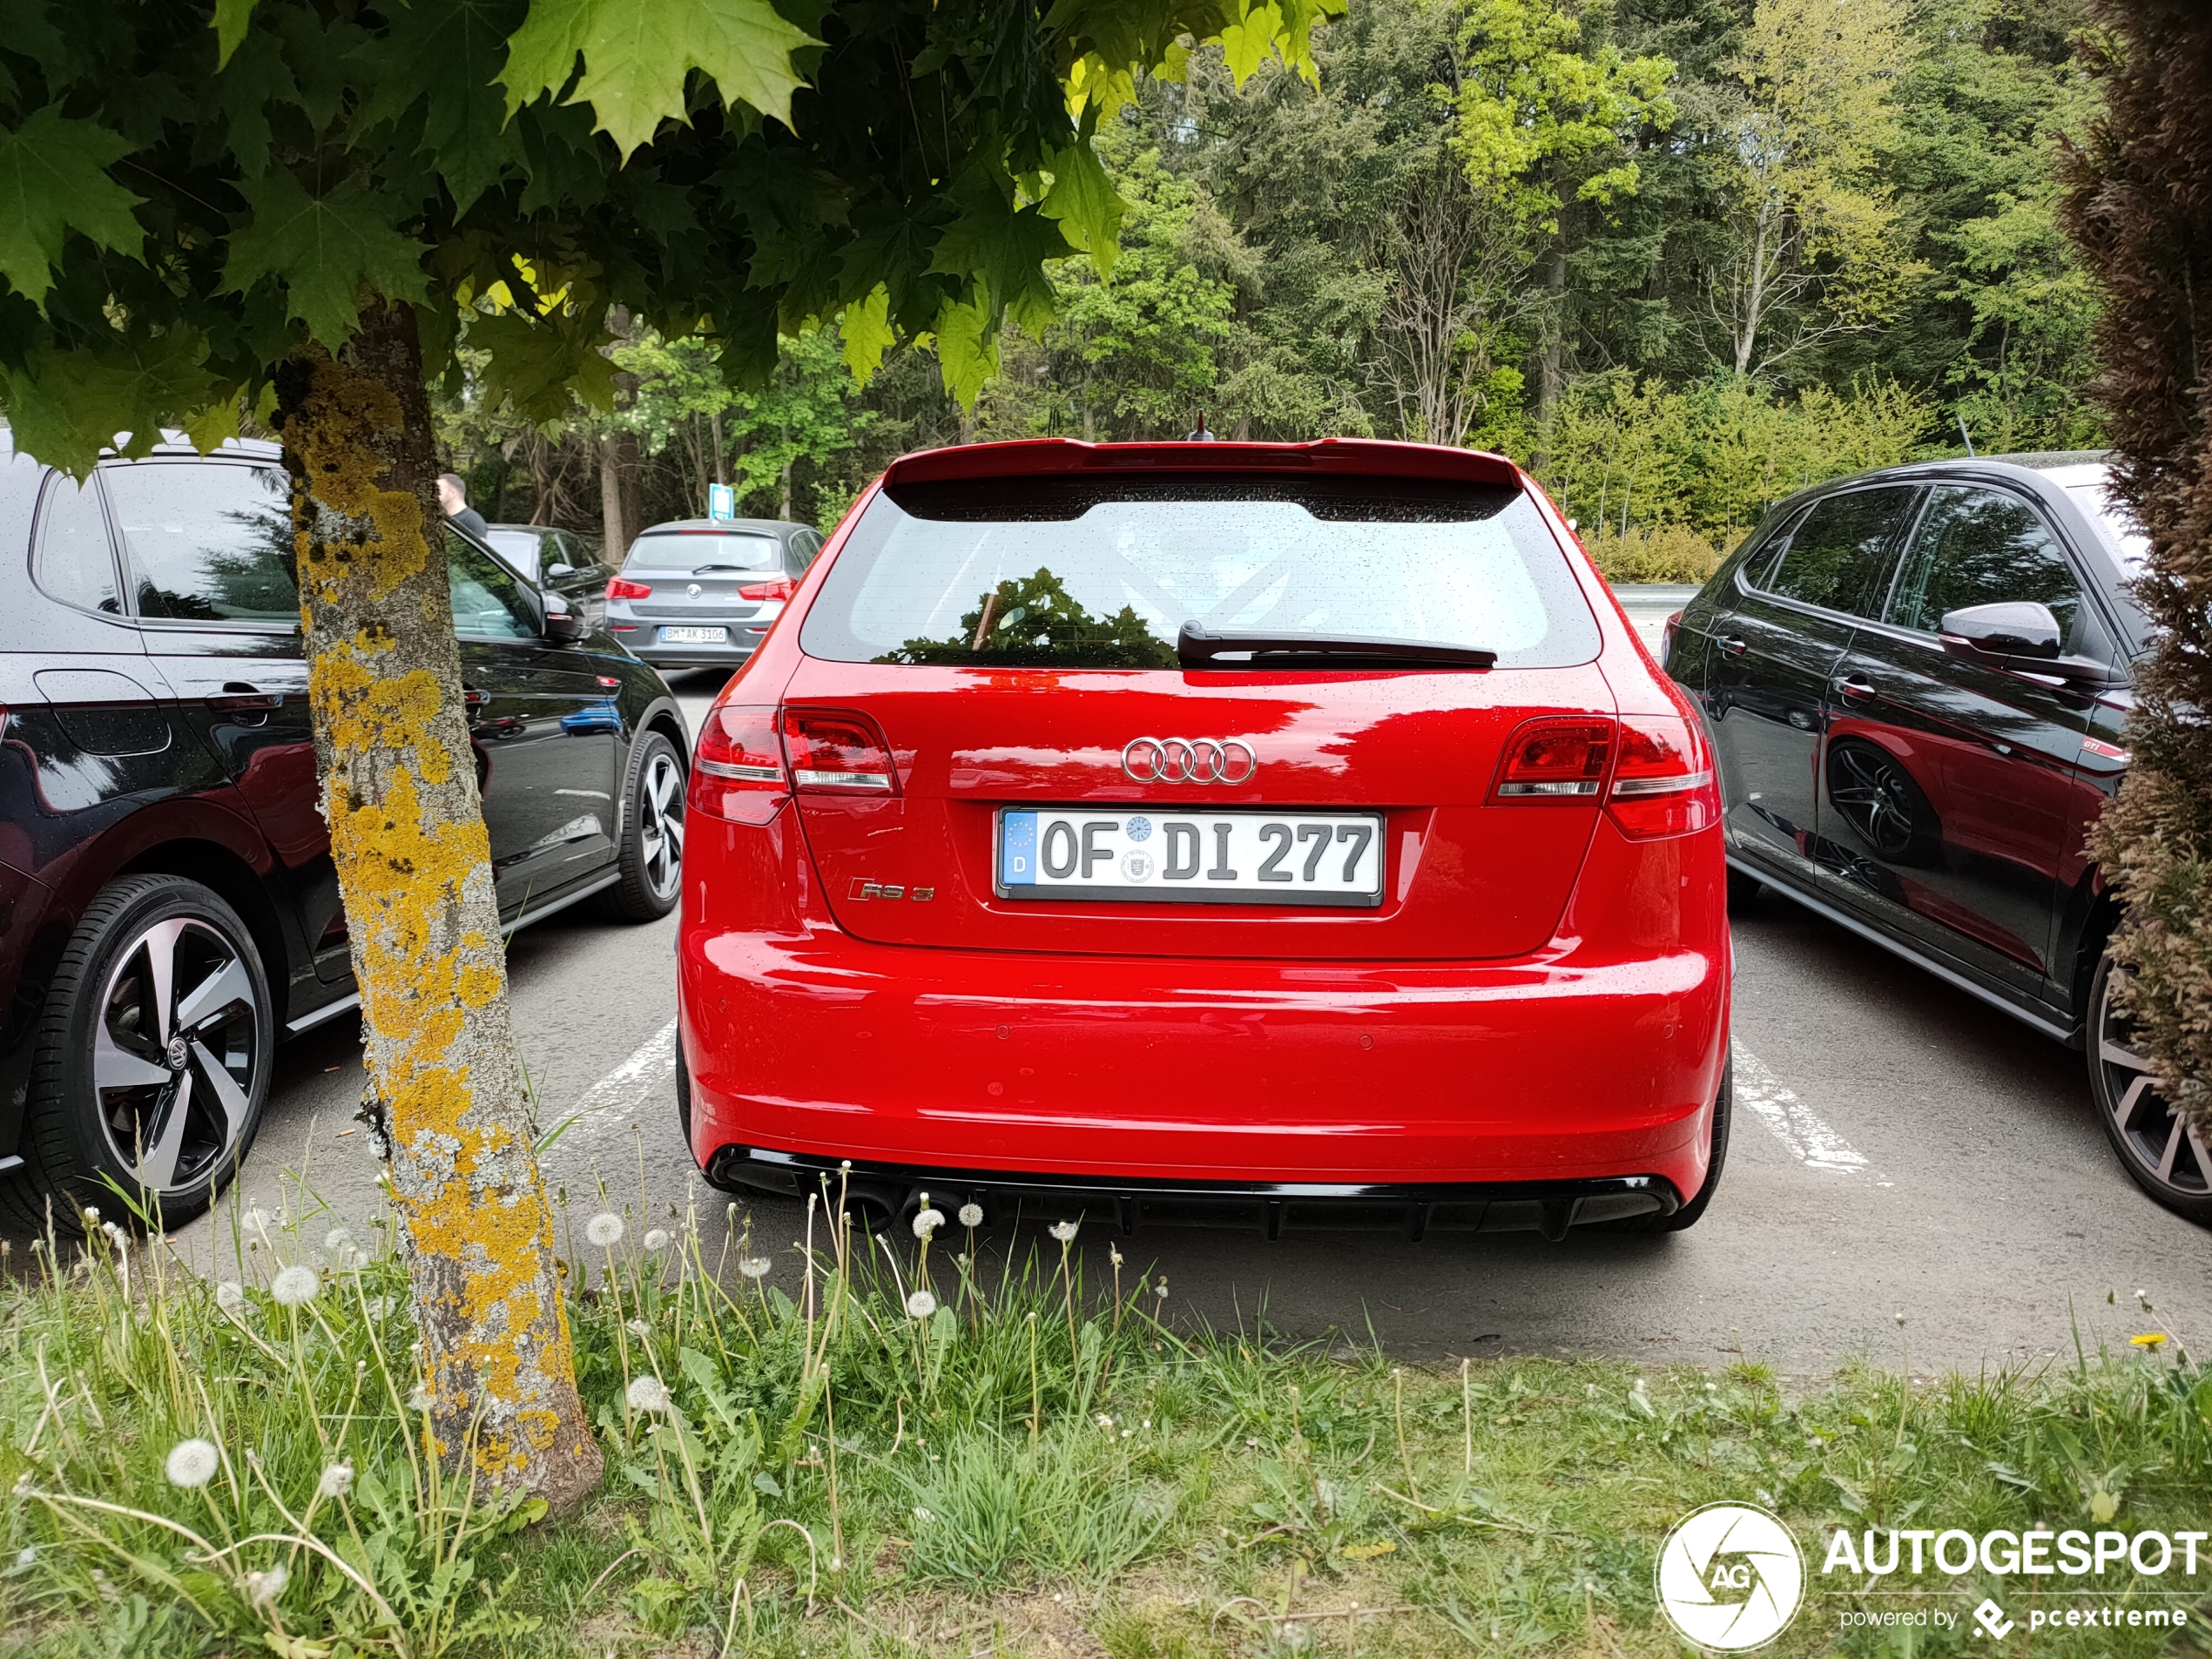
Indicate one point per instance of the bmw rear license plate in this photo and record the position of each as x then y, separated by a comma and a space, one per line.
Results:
1237, 857
695, 636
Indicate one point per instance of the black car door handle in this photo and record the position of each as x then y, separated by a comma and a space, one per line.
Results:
237, 696
1855, 685
1732, 646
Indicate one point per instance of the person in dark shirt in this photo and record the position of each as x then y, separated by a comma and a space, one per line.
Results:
453, 495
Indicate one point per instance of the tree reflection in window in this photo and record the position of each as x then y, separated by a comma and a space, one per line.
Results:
1033, 622
1978, 547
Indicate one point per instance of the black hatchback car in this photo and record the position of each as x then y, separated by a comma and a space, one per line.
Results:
1915, 681
168, 909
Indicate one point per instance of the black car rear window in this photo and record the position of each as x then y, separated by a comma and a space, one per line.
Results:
1840, 554
1103, 572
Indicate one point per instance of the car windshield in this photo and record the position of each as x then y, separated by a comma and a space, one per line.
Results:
2115, 520
1090, 573
693, 549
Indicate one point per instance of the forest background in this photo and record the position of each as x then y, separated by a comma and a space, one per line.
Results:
1679, 257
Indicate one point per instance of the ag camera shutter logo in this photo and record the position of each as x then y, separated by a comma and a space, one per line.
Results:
1731, 1577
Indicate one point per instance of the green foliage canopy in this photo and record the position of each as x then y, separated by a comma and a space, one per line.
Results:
191, 193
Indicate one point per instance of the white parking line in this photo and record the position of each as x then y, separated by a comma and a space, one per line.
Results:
637, 1078
1804, 1135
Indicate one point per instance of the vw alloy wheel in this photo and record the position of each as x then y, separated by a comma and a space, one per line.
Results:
1872, 794
660, 812
176, 1048
2167, 1158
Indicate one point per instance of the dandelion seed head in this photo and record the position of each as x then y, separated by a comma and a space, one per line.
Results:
648, 1393
1065, 1231
337, 1480
1161, 1289
338, 1241
193, 1463
639, 1329
230, 1296
261, 1588
656, 1239
971, 1215
1900, 1319
603, 1230
754, 1266
295, 1286
26, 1558
921, 1304
927, 1222
419, 1399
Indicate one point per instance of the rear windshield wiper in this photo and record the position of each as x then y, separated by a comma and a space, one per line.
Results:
1197, 647
709, 569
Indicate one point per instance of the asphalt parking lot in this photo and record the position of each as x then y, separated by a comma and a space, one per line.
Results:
1899, 1148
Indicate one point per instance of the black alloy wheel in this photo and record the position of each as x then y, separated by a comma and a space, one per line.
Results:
651, 857
2165, 1156
154, 1058
1872, 793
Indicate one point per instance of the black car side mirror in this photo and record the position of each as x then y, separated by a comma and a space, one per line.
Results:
563, 624
2019, 635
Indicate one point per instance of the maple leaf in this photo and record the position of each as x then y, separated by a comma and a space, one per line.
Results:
537, 363
446, 58
1086, 205
968, 349
229, 24
53, 180
324, 250
636, 53
868, 334
1244, 45
67, 405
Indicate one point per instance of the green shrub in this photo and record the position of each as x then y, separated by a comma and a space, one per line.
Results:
1669, 553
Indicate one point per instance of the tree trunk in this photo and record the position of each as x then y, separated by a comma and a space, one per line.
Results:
1551, 378
612, 527
446, 1098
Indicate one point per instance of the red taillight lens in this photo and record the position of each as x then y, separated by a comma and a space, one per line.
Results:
621, 588
1558, 758
782, 588
1663, 783
739, 772
834, 752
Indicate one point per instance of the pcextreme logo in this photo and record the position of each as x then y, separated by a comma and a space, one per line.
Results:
1731, 1577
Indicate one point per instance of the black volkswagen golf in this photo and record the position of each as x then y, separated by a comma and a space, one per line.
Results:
168, 909
1917, 682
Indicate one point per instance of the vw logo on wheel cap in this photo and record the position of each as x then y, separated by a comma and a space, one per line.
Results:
180, 1054
1189, 760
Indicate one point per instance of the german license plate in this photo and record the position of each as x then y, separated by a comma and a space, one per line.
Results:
1238, 857
695, 636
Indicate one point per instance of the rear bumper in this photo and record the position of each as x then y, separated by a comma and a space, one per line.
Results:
1579, 1064
881, 1192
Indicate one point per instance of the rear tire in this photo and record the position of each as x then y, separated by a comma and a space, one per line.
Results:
153, 1058
1688, 1215
2161, 1154
1743, 892
651, 853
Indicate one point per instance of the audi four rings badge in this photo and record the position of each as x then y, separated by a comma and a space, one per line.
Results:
1189, 760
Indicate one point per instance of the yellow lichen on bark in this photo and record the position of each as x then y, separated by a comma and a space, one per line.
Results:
413, 863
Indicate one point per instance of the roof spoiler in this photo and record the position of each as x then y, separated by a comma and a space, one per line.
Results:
1333, 457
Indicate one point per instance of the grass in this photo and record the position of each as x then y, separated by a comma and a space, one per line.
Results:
1046, 1462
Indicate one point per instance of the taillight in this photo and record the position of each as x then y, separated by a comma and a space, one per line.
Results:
834, 752
1662, 781
1557, 758
739, 772
782, 588
622, 588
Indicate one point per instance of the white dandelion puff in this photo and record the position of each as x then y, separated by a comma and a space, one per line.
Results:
1065, 1231
419, 1400
656, 1239
338, 1241
604, 1229
927, 1222
230, 1296
921, 1304
648, 1393
295, 1286
1161, 1289
971, 1215
193, 1463
337, 1480
639, 1329
754, 1266
26, 1558
261, 1588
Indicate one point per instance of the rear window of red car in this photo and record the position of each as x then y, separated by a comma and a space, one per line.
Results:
1090, 572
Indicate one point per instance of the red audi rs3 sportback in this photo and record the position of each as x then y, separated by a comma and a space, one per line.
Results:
1295, 834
